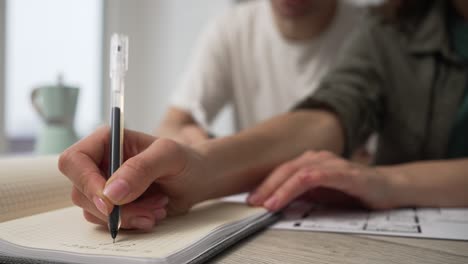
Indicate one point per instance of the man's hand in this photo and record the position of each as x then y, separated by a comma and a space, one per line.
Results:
154, 180
318, 170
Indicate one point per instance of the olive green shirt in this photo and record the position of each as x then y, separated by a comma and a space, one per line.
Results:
406, 86
458, 144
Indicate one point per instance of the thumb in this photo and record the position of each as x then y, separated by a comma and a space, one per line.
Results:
162, 158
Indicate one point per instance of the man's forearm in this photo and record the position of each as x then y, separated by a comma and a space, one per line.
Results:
237, 163
430, 183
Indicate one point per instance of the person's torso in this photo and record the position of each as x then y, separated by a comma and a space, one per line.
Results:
270, 74
423, 89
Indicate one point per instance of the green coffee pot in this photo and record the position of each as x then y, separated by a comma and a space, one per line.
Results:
56, 106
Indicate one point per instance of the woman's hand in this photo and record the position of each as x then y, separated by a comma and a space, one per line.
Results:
318, 170
156, 178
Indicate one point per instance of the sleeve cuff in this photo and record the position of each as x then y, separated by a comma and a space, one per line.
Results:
344, 112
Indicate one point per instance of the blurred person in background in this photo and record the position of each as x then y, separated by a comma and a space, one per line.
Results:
405, 77
261, 57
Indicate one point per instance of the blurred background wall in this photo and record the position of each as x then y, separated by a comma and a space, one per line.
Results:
2, 76
41, 40
46, 38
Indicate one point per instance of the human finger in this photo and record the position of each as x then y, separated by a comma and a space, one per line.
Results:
143, 214
272, 182
93, 146
151, 201
162, 158
131, 217
292, 188
80, 163
82, 201
282, 173
305, 180
85, 162
134, 217
150, 207
93, 219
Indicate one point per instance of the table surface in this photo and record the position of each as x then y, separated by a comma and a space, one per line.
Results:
281, 246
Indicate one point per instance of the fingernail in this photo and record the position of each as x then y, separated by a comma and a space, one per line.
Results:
271, 203
253, 199
100, 205
141, 223
160, 214
117, 190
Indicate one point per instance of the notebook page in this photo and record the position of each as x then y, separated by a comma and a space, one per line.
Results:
30, 185
66, 230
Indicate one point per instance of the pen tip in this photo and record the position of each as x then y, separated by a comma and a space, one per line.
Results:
114, 234
113, 241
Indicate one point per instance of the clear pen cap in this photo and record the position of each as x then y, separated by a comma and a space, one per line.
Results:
118, 56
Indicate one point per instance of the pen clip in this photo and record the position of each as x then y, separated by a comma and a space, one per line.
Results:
118, 56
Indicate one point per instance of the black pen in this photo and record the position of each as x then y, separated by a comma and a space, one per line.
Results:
118, 68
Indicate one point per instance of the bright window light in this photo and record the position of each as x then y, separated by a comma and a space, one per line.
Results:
46, 38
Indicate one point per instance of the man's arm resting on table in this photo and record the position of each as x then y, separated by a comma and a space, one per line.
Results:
237, 163
430, 183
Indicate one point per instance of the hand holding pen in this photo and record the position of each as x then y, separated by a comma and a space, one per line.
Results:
145, 181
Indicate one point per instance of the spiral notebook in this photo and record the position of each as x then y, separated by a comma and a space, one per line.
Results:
61, 235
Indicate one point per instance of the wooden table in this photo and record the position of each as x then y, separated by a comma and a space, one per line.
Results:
280, 246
